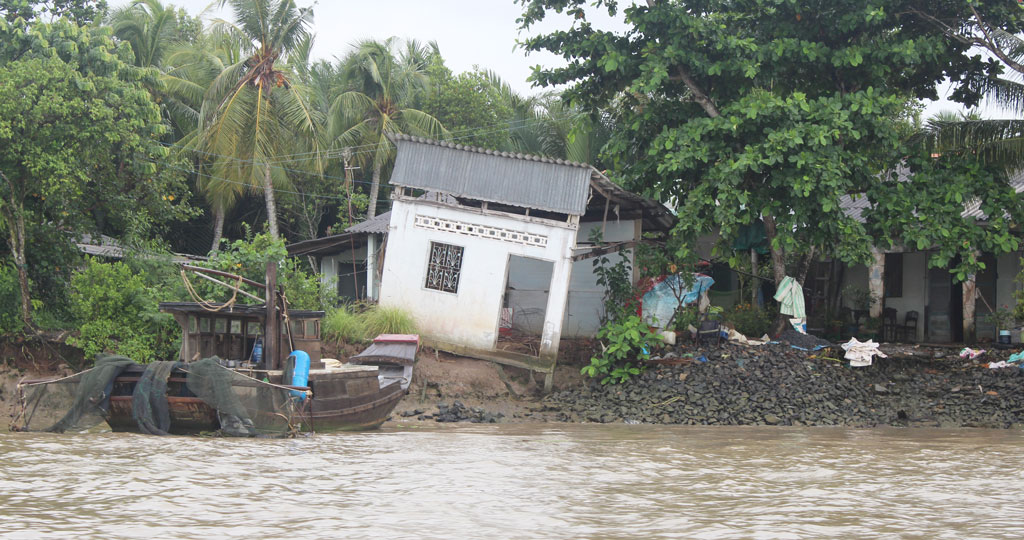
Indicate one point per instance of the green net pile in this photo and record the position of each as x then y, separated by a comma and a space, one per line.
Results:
161, 398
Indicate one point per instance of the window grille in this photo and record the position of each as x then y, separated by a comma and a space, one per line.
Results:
444, 267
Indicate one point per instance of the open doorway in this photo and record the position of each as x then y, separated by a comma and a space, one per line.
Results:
524, 305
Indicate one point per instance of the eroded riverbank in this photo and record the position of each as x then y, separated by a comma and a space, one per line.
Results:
744, 385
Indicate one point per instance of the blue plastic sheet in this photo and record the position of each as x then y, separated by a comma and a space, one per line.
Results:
659, 303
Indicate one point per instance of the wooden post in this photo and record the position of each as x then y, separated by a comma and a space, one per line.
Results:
272, 326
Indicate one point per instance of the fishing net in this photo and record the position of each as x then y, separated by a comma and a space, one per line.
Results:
161, 398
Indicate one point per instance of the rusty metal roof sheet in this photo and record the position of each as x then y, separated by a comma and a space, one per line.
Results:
522, 180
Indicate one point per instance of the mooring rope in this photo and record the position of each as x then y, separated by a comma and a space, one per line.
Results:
206, 304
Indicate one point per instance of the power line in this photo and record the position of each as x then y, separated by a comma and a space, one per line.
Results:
368, 148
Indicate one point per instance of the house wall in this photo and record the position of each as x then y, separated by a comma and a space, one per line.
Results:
915, 288
469, 317
339, 267
528, 281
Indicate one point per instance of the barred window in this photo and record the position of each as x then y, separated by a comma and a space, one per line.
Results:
444, 267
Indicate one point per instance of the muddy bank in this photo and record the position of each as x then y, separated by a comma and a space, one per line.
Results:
32, 357
736, 385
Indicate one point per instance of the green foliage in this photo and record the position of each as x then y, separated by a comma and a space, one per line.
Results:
353, 325
925, 211
343, 324
686, 317
388, 320
616, 279
10, 299
472, 108
750, 320
1002, 318
80, 137
249, 258
628, 340
1018, 295
116, 312
747, 109
81, 11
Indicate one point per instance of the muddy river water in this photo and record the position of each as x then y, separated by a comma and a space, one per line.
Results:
519, 481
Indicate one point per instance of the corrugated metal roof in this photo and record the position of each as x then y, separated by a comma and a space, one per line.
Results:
376, 225
521, 180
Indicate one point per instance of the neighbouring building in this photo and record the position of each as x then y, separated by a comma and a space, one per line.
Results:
920, 303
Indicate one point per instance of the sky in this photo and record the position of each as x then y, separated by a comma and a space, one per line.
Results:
469, 33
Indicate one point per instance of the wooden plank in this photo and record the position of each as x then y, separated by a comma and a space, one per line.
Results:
611, 248
505, 358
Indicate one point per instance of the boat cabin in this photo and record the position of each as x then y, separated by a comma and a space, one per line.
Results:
231, 333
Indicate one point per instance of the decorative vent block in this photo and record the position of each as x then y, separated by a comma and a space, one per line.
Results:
481, 231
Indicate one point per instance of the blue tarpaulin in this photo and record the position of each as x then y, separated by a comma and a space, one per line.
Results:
659, 303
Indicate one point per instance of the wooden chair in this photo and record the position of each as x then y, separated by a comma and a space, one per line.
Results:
889, 330
908, 330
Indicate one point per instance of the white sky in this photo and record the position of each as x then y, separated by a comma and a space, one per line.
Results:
469, 32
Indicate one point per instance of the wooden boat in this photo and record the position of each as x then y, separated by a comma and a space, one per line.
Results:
247, 342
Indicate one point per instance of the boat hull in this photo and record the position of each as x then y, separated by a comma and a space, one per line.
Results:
341, 401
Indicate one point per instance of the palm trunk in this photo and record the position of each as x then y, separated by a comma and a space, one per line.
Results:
218, 227
371, 209
268, 194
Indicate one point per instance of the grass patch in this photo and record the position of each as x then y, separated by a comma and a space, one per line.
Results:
388, 320
355, 325
343, 324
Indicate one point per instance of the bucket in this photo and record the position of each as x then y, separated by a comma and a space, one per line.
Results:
1004, 337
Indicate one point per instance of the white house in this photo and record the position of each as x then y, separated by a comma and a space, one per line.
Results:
503, 244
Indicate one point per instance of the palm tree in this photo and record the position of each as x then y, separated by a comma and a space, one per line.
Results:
999, 141
189, 72
149, 26
253, 111
382, 85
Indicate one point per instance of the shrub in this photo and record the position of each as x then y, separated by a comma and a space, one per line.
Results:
750, 320
10, 299
627, 340
117, 312
249, 259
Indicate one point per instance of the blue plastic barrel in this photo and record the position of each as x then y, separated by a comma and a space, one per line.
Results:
300, 376
257, 351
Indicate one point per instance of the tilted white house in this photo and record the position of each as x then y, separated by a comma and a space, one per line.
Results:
505, 236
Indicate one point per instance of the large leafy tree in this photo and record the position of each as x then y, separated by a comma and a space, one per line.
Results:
79, 138
471, 107
79, 11
760, 109
383, 83
253, 111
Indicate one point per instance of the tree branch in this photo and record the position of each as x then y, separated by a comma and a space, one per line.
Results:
699, 96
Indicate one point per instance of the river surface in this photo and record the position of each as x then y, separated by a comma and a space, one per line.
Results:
519, 481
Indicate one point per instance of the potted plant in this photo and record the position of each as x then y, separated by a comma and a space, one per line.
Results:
872, 327
1003, 319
